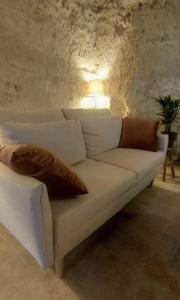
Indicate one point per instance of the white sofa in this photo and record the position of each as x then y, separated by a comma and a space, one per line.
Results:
51, 229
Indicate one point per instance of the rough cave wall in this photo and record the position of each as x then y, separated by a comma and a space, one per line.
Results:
157, 31
48, 48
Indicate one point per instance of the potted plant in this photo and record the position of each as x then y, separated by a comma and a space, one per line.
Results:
169, 109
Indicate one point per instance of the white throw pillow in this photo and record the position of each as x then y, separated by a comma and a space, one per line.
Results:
101, 133
64, 138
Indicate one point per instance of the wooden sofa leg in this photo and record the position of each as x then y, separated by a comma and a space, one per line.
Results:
59, 264
59, 268
151, 184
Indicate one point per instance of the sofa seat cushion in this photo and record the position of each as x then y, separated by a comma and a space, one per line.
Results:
141, 162
104, 182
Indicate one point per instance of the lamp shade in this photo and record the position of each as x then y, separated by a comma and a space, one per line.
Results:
95, 88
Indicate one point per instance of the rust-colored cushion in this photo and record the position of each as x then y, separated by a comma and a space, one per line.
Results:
139, 133
44, 166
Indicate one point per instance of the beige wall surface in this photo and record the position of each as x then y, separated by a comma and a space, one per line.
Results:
49, 48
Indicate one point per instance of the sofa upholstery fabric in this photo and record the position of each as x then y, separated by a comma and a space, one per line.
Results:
79, 113
66, 243
25, 212
31, 117
64, 139
104, 182
101, 133
140, 162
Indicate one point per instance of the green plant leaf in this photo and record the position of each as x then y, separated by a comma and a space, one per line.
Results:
169, 109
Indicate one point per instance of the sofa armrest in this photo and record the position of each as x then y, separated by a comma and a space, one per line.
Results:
162, 142
25, 211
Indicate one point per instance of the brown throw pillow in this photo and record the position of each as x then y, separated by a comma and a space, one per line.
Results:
44, 166
139, 133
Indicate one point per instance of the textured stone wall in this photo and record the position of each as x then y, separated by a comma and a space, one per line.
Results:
157, 31
49, 47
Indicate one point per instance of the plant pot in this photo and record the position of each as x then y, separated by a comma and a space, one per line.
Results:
172, 138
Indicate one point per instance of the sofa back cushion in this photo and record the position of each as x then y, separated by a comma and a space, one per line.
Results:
45, 167
79, 113
64, 139
101, 133
31, 117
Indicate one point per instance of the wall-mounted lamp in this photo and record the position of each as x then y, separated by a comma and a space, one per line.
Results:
95, 95
95, 88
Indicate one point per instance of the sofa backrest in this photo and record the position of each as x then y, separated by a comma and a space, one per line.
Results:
51, 115
31, 117
79, 113
62, 138
101, 131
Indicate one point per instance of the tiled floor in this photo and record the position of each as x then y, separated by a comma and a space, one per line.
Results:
136, 255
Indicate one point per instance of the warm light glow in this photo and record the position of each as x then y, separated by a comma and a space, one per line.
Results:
126, 113
95, 88
95, 75
95, 102
102, 102
102, 74
95, 96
